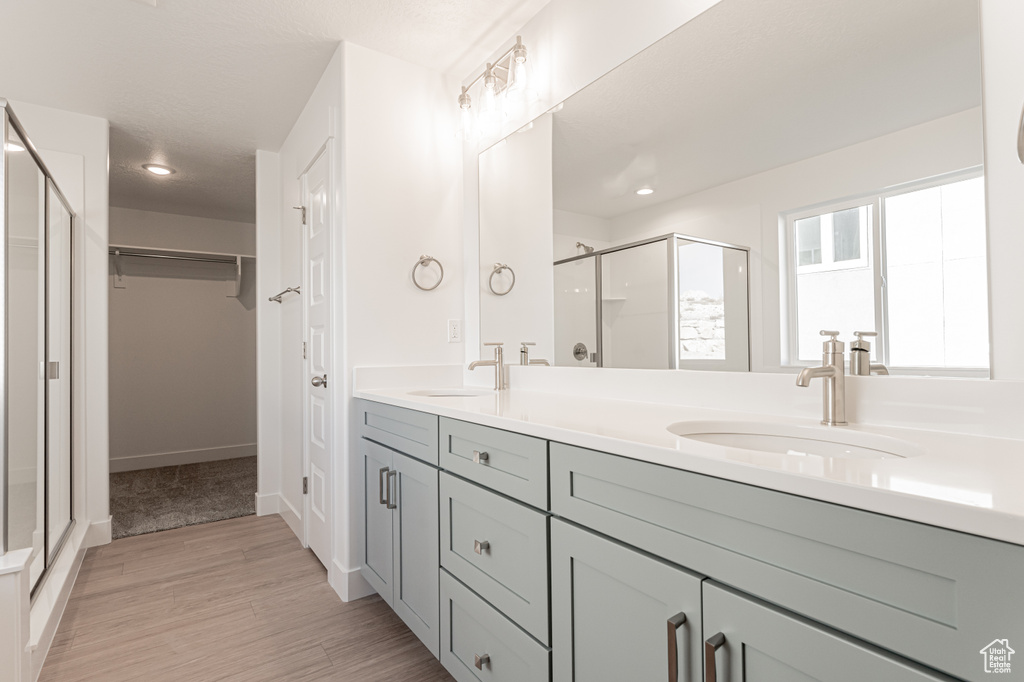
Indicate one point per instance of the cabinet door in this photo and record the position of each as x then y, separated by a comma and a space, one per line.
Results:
747, 639
416, 566
618, 614
378, 555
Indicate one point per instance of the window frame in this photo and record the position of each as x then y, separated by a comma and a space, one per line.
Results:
876, 241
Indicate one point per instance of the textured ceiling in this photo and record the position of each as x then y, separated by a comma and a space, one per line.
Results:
752, 85
199, 85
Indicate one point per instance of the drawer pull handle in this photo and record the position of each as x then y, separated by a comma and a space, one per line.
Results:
674, 623
392, 476
711, 645
481, 661
480, 457
481, 546
380, 484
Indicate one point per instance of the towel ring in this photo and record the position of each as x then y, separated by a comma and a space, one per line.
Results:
498, 267
424, 261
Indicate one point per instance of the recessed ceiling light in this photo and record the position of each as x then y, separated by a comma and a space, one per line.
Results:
157, 169
14, 147
644, 191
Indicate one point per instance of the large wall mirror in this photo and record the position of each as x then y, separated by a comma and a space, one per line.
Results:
765, 171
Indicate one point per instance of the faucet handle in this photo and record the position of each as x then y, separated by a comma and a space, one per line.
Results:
527, 343
861, 343
494, 343
833, 344
825, 332
861, 335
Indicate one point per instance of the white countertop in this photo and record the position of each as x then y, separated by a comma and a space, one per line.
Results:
968, 483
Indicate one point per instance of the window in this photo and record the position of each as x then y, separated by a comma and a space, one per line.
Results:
909, 264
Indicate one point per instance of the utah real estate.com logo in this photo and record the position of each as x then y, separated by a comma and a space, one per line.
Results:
997, 656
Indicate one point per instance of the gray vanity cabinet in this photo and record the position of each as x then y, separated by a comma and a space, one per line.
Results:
401, 557
619, 614
747, 640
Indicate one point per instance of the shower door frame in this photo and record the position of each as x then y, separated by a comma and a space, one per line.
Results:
670, 240
10, 121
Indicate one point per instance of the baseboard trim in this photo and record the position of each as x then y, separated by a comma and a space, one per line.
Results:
268, 504
349, 583
292, 517
167, 459
98, 533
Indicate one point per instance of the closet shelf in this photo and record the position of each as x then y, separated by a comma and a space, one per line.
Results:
127, 250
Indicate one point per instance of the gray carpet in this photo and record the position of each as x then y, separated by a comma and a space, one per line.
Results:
149, 500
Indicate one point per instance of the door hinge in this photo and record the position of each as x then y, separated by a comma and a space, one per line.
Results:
303, 209
305, 485
303, 350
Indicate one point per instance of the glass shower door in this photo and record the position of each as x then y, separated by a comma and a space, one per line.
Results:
26, 354
576, 313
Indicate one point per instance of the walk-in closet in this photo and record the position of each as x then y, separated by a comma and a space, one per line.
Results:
182, 370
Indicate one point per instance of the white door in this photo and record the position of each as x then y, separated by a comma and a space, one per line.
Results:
319, 384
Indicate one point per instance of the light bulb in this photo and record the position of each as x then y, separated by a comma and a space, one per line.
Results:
644, 191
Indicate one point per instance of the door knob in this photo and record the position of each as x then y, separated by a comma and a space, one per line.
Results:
320, 381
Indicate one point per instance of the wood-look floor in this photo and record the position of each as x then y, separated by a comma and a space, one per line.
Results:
233, 600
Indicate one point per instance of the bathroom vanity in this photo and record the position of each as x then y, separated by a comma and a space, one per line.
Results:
541, 542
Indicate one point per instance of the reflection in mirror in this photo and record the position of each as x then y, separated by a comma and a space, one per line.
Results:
828, 138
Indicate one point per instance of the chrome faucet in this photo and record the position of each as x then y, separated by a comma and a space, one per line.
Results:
860, 357
498, 363
524, 355
833, 375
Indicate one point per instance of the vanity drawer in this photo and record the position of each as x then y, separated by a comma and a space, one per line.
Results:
511, 570
472, 629
510, 463
408, 431
930, 594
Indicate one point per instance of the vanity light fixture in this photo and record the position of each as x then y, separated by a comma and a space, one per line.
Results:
505, 84
157, 169
644, 191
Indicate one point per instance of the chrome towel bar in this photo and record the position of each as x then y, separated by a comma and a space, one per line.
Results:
277, 298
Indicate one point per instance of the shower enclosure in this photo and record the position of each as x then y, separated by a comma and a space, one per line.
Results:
671, 302
37, 270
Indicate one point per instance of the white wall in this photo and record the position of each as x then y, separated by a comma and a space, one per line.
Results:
395, 174
178, 325
169, 231
572, 227
516, 223
401, 200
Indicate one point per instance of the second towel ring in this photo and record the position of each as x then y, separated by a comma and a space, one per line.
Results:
498, 267
424, 261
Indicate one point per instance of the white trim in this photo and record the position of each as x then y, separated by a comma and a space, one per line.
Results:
292, 517
166, 459
268, 504
348, 583
49, 605
99, 533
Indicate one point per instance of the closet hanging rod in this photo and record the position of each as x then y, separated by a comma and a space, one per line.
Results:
119, 252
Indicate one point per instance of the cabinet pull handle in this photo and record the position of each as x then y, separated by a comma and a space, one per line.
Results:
392, 475
480, 661
480, 457
380, 484
481, 546
674, 623
711, 645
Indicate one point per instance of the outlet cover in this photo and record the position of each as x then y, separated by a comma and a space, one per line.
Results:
454, 331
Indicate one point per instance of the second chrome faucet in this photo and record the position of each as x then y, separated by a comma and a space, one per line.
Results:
832, 372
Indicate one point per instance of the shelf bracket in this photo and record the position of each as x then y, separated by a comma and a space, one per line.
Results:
119, 282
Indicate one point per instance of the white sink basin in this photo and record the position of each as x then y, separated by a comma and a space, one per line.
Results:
450, 393
802, 441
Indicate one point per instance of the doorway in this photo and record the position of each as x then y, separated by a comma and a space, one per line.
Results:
182, 370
